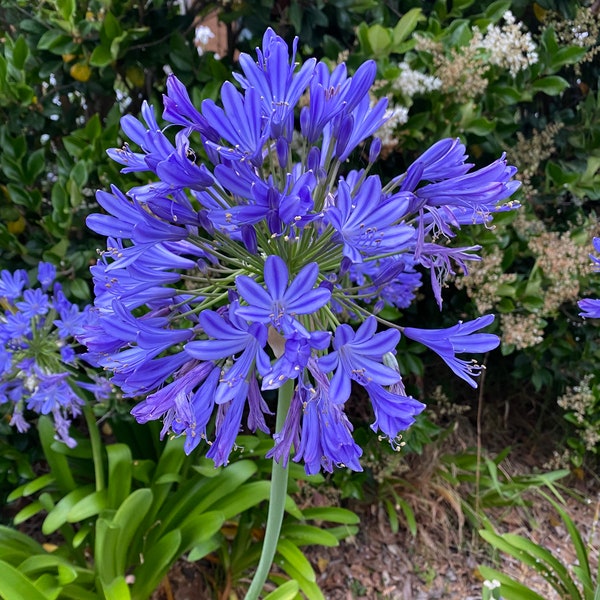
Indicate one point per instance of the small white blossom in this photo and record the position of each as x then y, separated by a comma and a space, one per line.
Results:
509, 46
411, 82
398, 115
203, 35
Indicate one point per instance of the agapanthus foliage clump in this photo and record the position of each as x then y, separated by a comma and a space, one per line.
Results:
254, 256
40, 366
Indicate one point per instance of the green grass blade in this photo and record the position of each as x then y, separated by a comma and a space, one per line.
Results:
584, 572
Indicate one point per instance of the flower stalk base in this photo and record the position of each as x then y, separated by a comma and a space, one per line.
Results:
279, 480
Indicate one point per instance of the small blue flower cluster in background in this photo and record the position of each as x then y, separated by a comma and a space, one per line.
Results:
240, 263
38, 359
590, 307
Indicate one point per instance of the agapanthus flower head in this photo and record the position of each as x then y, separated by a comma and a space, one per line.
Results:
40, 357
239, 275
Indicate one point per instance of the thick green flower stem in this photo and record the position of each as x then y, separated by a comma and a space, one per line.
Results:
96, 443
279, 479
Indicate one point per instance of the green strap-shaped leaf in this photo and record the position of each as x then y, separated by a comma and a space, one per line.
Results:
341, 532
333, 514
15, 540
48, 585
57, 517
77, 592
156, 563
202, 494
198, 528
205, 548
105, 549
509, 587
59, 466
392, 515
552, 564
409, 515
171, 461
15, 586
303, 534
534, 556
49, 562
127, 519
246, 496
291, 508
117, 589
296, 558
31, 487
310, 588
583, 568
229, 480
27, 512
93, 504
119, 473
287, 591
81, 535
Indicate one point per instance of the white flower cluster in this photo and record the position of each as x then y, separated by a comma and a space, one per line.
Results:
581, 401
411, 82
509, 46
580, 36
522, 330
397, 115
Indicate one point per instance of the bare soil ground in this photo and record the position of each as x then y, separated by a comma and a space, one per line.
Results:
441, 561
380, 565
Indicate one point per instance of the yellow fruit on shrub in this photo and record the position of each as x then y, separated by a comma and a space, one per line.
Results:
135, 75
16, 227
80, 72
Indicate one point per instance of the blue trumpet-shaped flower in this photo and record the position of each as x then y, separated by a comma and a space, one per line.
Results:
326, 437
12, 284
239, 123
590, 307
280, 303
458, 339
358, 356
368, 223
276, 81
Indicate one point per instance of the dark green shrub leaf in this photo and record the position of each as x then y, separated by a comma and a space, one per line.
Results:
101, 56
406, 25
20, 52
553, 85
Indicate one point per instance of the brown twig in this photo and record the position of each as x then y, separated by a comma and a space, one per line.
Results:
166, 584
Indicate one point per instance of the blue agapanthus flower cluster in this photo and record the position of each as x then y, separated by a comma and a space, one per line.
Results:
240, 262
39, 364
590, 307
